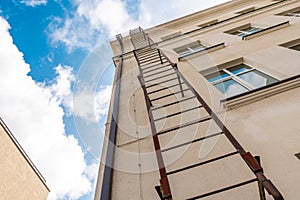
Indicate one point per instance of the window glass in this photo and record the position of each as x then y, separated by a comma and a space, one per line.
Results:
238, 69
257, 79
239, 79
294, 13
196, 47
230, 88
189, 48
242, 34
183, 51
246, 31
296, 47
235, 32
239, 33
216, 76
251, 29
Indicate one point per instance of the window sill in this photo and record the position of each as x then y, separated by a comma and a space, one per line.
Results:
206, 50
261, 93
266, 30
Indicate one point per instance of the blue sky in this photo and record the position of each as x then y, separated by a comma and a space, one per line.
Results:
56, 71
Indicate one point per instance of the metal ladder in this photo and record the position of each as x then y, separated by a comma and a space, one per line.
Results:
153, 62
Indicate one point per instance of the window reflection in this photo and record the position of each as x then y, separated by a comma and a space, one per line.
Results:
238, 79
190, 48
230, 88
246, 31
257, 79
217, 76
238, 69
296, 47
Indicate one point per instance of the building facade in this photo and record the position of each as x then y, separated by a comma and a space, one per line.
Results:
20, 179
206, 107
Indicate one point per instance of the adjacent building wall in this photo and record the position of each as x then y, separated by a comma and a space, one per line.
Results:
19, 178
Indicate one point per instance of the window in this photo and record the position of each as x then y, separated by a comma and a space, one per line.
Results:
246, 31
252, 30
238, 79
297, 155
295, 12
296, 47
190, 48
294, 44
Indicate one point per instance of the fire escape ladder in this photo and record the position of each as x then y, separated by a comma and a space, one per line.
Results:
156, 69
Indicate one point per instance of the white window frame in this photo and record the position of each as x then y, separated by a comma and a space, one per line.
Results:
293, 14
236, 78
243, 33
188, 48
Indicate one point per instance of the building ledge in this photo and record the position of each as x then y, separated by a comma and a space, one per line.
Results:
266, 30
261, 93
205, 50
224, 21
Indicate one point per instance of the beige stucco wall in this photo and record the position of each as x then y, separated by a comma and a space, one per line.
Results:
266, 127
18, 180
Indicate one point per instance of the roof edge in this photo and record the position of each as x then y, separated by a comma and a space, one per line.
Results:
24, 154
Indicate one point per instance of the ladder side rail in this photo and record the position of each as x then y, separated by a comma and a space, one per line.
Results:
162, 170
174, 65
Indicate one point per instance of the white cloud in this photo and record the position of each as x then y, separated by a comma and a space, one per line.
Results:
93, 18
61, 87
92, 171
90, 105
102, 99
109, 14
73, 32
34, 3
162, 11
33, 113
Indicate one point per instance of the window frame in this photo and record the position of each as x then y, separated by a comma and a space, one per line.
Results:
243, 33
235, 77
263, 29
297, 155
238, 31
187, 49
295, 47
294, 12
291, 44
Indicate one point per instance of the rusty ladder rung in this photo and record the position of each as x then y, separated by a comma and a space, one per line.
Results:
202, 163
223, 189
